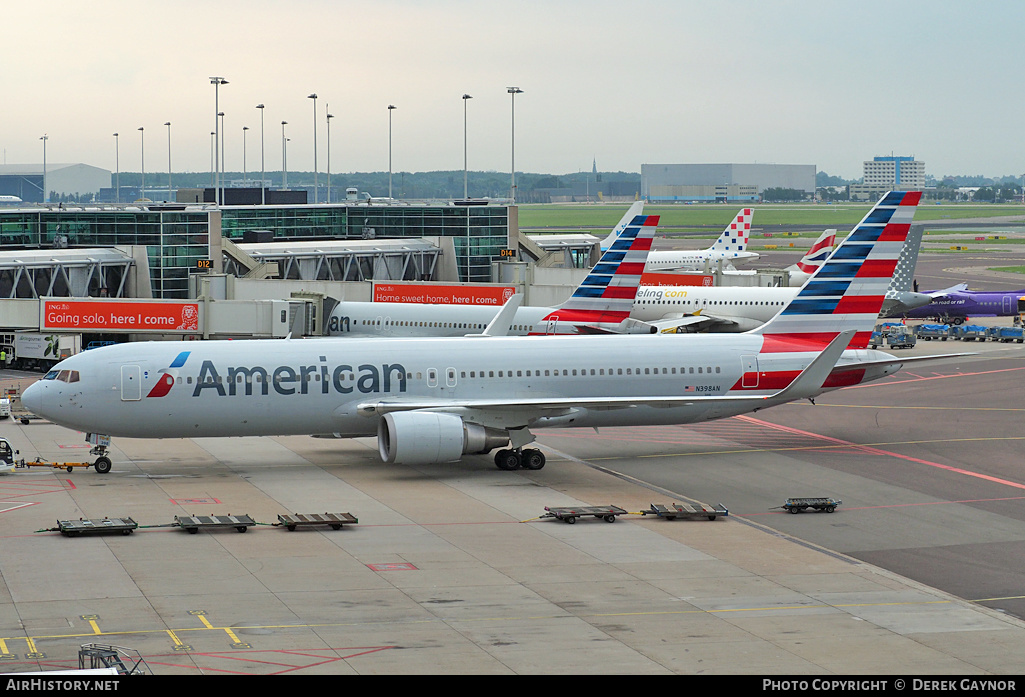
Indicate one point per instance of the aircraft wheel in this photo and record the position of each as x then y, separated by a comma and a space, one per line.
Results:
102, 464
507, 459
532, 459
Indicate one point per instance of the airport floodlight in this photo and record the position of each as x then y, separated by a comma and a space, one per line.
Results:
142, 160
513, 91
168, 124
329, 117
44, 138
263, 176
465, 97
284, 156
391, 108
315, 182
217, 82
117, 170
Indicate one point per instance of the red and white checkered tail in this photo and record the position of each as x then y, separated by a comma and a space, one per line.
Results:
735, 237
847, 291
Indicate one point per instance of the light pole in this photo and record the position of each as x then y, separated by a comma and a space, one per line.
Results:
217, 82
213, 155
142, 159
465, 98
244, 180
117, 170
329, 117
513, 91
44, 138
315, 182
168, 124
284, 157
263, 188
391, 108
220, 114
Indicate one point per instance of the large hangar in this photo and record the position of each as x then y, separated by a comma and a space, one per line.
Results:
721, 183
26, 181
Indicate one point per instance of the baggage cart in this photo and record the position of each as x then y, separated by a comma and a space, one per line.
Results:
570, 515
335, 520
817, 503
687, 511
193, 523
82, 526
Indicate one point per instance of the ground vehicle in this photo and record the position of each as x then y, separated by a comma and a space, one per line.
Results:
892, 334
940, 332
5, 407
1006, 334
971, 332
42, 351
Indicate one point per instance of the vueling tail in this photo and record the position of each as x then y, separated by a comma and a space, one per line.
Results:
847, 291
635, 210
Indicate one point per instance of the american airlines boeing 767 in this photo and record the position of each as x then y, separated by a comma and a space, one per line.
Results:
433, 400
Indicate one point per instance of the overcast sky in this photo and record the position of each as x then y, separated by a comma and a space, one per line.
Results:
624, 82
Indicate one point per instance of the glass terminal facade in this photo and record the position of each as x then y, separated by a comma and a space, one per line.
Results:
177, 239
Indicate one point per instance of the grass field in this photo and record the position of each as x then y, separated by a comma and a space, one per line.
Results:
539, 217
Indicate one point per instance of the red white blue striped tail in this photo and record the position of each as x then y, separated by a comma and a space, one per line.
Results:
847, 291
607, 294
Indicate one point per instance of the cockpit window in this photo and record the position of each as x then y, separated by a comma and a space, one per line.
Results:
62, 375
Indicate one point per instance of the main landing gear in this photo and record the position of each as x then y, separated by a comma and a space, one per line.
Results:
514, 458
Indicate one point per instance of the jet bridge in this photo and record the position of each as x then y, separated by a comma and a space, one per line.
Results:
343, 260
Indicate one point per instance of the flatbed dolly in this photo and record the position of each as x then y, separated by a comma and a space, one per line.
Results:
570, 515
687, 510
193, 523
82, 526
335, 520
818, 503
40, 462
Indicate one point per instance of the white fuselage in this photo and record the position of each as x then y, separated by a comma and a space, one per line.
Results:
424, 319
667, 260
749, 307
324, 386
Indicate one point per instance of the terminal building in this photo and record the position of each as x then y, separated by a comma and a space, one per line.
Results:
721, 183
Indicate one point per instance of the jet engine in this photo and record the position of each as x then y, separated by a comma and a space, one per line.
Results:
425, 437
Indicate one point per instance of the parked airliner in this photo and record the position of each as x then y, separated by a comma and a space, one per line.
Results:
729, 248
600, 304
956, 305
683, 309
437, 399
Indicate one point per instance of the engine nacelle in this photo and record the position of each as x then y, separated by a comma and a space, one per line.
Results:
425, 437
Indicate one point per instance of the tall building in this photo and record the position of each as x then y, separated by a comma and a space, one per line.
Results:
882, 174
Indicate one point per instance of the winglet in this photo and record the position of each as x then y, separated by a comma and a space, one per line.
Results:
499, 326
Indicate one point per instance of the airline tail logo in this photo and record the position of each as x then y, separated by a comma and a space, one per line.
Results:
818, 253
734, 238
847, 291
607, 294
168, 375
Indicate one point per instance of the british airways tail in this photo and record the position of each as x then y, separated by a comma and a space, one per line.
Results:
847, 292
813, 258
635, 210
605, 298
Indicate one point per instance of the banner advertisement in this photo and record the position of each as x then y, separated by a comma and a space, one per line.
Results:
441, 294
134, 316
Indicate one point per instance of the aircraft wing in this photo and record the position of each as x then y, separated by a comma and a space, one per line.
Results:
898, 360
679, 324
959, 288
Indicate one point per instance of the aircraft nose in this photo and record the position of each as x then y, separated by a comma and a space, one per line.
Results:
32, 398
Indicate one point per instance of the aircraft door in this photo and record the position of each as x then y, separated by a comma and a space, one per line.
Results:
750, 378
131, 383
1005, 304
553, 325
432, 377
450, 377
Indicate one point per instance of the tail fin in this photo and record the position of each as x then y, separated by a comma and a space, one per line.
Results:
635, 210
734, 238
847, 291
819, 252
606, 296
904, 274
